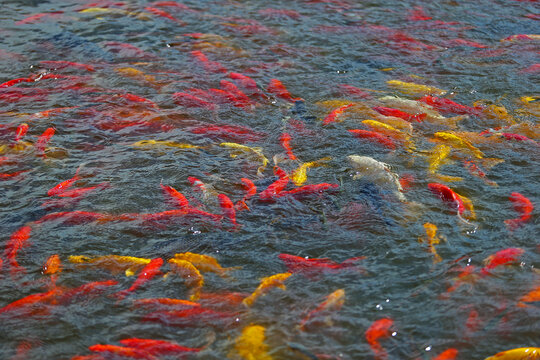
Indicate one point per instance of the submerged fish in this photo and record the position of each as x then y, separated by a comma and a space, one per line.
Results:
266, 284
250, 344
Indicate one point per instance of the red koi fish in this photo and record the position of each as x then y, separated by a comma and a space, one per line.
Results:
164, 14
121, 351
448, 354
417, 14
165, 302
6, 176
278, 89
235, 133
85, 291
448, 195
523, 206
251, 190
285, 141
249, 85
66, 184
188, 100
332, 117
75, 217
307, 190
227, 208
298, 264
60, 64
354, 91
24, 94
501, 257
157, 347
374, 136
17, 241
179, 198
25, 305
276, 187
22, 129
518, 137
242, 100
38, 17
211, 66
448, 106
75, 193
15, 82
386, 111
151, 270
43, 140
379, 329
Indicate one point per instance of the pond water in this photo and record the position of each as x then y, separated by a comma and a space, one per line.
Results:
125, 99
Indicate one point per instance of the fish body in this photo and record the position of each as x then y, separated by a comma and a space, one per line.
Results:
437, 157
158, 143
251, 190
332, 117
243, 148
179, 199
523, 206
276, 187
448, 106
250, 344
61, 187
333, 302
113, 263
157, 347
379, 329
298, 264
375, 136
147, 273
501, 257
188, 271
35, 300
43, 140
277, 88
299, 176
22, 129
204, 263
414, 88
230, 132
52, 266
75, 193
285, 141
448, 195
227, 209
121, 351
524, 353
400, 114
448, 354
307, 190
266, 284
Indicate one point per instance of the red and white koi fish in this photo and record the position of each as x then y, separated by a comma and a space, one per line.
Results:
179, 198
157, 347
278, 89
332, 117
379, 329
522, 205
151, 270
386, 111
276, 187
43, 140
375, 136
501, 257
22, 129
227, 208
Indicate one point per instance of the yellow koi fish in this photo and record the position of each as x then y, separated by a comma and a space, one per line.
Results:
114, 263
137, 74
243, 148
250, 344
333, 302
190, 273
458, 142
156, 143
432, 239
414, 88
205, 263
524, 353
438, 157
114, 11
18, 147
266, 284
299, 176
390, 131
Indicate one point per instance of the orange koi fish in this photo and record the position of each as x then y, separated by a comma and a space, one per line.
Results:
523, 206
374, 136
266, 284
501, 257
227, 209
285, 141
278, 89
448, 354
52, 266
147, 273
66, 184
333, 302
179, 199
524, 353
448, 106
251, 190
448, 195
250, 344
25, 305
188, 271
432, 239
22, 129
377, 330
165, 302
75, 193
121, 351
531, 296
18, 240
276, 187
157, 347
43, 140
332, 117
205, 263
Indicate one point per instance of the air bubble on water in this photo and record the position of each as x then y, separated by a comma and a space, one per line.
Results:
168, 45
428, 348
394, 333
387, 300
378, 307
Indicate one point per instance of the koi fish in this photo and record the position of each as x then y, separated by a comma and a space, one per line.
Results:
432, 239
199, 186
195, 316
333, 302
232, 132
188, 271
137, 74
60, 64
414, 89
251, 190
43, 140
390, 131
22, 129
531, 296
475, 170
307, 190
75, 217
157, 347
332, 117
122, 351
285, 141
448, 354
376, 171
278, 89
449, 106
66, 184
147, 273
75, 193
374, 136
25, 304
241, 99
179, 198
52, 266
188, 100
211, 66
448, 195
250, 344
522, 205
438, 157
113, 263
354, 91
164, 14
501, 257
266, 284
276, 187
524, 353
227, 208
243, 148
467, 274
386, 111
158, 143
461, 143
298, 264
248, 84
17, 241
205, 263
379, 329
299, 176
38, 17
